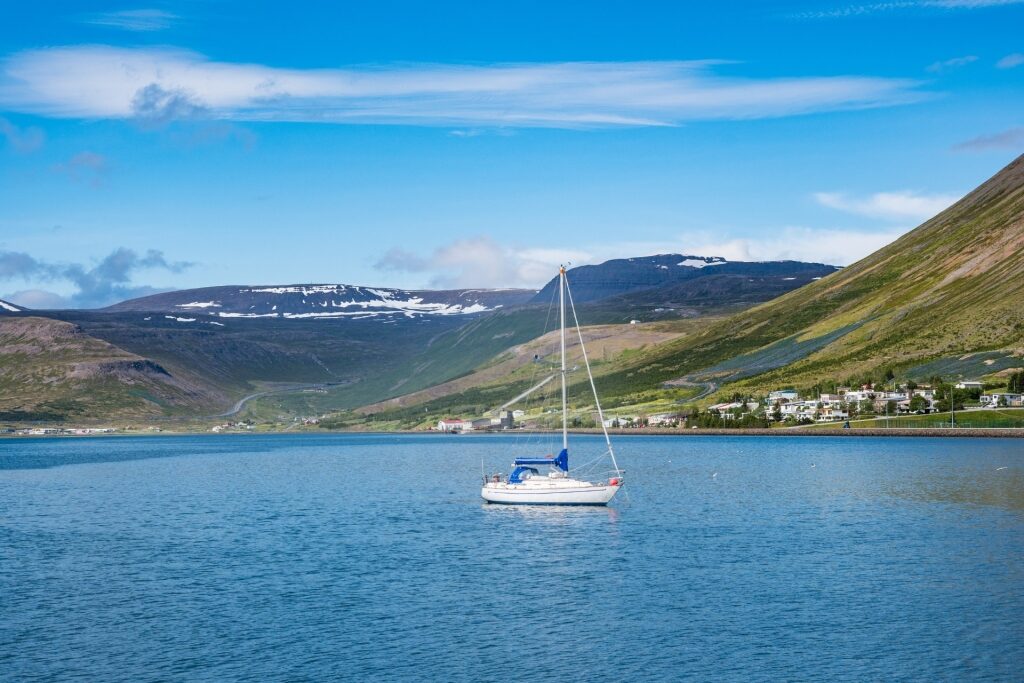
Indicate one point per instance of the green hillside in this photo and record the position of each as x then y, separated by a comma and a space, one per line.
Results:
952, 286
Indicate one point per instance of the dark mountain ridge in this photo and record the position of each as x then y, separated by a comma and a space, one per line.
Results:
623, 276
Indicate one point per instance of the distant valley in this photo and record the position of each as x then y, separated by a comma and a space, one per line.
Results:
366, 344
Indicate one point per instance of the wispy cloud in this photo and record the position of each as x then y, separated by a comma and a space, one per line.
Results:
139, 20
896, 206
954, 63
87, 167
969, 4
1010, 61
22, 140
160, 84
101, 284
1012, 138
865, 9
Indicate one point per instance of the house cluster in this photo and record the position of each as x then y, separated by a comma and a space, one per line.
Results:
837, 406
506, 419
1002, 400
733, 409
232, 427
630, 421
997, 400
58, 431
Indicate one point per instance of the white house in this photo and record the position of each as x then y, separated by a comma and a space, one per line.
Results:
820, 411
798, 409
859, 395
831, 411
1010, 400
452, 424
782, 395
970, 384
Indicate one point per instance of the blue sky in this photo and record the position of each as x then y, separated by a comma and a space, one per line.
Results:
184, 144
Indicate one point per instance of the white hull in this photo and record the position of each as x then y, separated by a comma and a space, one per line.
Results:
578, 493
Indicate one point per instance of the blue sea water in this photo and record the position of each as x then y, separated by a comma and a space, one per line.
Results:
370, 558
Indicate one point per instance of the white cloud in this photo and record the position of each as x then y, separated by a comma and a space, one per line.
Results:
110, 82
134, 19
481, 261
795, 243
954, 63
1010, 61
897, 206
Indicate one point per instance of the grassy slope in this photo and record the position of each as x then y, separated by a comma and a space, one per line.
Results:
515, 369
952, 286
51, 370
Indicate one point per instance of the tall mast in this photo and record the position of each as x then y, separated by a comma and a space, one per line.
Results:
561, 318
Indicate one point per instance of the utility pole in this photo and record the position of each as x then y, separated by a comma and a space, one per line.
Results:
952, 418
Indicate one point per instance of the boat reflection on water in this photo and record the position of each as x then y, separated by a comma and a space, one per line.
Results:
554, 514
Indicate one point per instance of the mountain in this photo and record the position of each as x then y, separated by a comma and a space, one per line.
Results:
295, 302
635, 275
52, 370
238, 341
947, 292
692, 290
8, 307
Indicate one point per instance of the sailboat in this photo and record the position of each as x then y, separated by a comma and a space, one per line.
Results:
526, 485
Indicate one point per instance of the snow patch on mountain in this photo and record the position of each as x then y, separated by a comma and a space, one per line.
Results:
702, 263
338, 301
9, 307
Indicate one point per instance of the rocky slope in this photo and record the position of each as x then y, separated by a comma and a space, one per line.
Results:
53, 371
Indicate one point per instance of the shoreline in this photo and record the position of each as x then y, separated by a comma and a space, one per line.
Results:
923, 432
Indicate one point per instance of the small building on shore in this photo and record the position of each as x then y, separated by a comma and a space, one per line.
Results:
454, 424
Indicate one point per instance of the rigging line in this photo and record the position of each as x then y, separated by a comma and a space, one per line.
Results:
531, 438
583, 468
590, 375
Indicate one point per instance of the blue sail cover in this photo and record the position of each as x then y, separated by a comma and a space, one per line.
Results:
561, 462
517, 474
